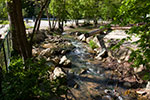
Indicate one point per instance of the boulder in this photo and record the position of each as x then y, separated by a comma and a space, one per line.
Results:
64, 61
39, 37
58, 73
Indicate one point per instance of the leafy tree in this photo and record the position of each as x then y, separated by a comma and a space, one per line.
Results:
3, 12
137, 12
58, 9
74, 10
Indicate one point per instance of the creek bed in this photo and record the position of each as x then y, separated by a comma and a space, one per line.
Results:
90, 80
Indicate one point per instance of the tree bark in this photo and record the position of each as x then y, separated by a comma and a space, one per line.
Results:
49, 22
38, 19
17, 28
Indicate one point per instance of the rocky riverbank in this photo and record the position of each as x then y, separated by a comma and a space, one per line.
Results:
91, 68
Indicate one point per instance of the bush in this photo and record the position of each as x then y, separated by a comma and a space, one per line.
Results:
30, 83
92, 44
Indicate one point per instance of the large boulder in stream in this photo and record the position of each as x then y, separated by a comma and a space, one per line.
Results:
39, 37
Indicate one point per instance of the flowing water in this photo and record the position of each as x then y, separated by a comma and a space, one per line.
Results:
89, 80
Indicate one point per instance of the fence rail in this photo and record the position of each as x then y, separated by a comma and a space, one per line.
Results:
5, 54
5, 51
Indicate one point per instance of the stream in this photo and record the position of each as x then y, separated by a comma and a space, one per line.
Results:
89, 80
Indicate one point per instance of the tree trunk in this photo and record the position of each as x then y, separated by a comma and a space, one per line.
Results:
38, 26
38, 19
77, 23
49, 22
95, 23
17, 28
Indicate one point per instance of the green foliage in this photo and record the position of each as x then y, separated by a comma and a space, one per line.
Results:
30, 81
4, 22
3, 10
58, 9
92, 44
137, 12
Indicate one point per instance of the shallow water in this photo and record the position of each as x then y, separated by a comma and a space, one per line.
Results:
95, 81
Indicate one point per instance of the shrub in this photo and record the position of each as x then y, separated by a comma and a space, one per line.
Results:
92, 44
30, 83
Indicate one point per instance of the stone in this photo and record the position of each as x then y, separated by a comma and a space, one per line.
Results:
138, 69
78, 33
39, 37
47, 52
64, 61
89, 38
58, 73
34, 52
49, 45
96, 40
56, 60
127, 84
107, 97
82, 37
101, 54
82, 71
63, 52
148, 85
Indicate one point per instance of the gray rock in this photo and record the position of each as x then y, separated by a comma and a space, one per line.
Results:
127, 84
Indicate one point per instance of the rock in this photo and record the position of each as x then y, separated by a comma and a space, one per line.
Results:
58, 73
39, 37
64, 61
138, 69
49, 45
148, 85
56, 60
78, 33
96, 40
63, 52
89, 38
101, 54
127, 84
82, 37
107, 97
82, 71
34, 52
47, 52
76, 86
